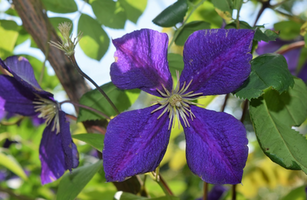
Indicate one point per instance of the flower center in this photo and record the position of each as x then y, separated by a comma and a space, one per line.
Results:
49, 110
177, 103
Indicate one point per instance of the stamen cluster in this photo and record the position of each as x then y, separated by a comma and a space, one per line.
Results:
68, 44
49, 110
177, 103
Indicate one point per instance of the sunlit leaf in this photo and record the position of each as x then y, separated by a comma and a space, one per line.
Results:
95, 41
272, 116
72, 183
93, 139
109, 13
133, 8
9, 34
12, 164
207, 12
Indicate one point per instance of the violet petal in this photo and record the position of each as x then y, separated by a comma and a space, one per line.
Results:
135, 142
216, 146
23, 72
57, 152
15, 98
217, 60
141, 61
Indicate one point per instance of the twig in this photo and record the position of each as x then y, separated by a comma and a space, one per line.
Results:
225, 102
73, 60
292, 46
234, 193
264, 5
86, 107
205, 197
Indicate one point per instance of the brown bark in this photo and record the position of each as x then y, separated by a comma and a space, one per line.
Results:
36, 23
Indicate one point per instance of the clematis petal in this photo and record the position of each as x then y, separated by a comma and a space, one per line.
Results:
15, 98
23, 72
135, 142
216, 146
141, 61
57, 152
217, 60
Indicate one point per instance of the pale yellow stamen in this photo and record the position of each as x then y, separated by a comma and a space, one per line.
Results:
49, 110
177, 103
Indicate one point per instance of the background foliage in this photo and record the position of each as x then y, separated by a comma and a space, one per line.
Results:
275, 120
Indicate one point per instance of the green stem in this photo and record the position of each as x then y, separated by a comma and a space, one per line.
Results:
184, 22
86, 107
238, 15
73, 60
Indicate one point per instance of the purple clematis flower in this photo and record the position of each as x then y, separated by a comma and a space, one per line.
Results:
215, 62
21, 94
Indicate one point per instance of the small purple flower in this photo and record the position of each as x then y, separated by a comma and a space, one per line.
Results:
215, 62
21, 94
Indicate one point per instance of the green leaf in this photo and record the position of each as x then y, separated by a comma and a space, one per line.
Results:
175, 63
22, 36
95, 42
272, 116
268, 71
59, 6
94, 99
109, 13
298, 193
172, 14
55, 21
133, 8
11, 12
223, 5
267, 35
72, 183
188, 29
9, 34
11, 164
93, 139
129, 196
243, 25
206, 12
288, 29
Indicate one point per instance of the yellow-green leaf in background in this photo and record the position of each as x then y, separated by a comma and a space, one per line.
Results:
9, 34
12, 164
95, 41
